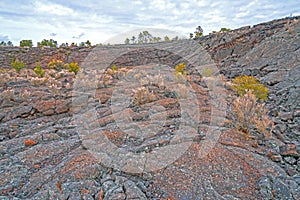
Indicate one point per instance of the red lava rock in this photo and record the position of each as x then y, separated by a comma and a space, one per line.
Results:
115, 137
43, 106
61, 106
276, 158
29, 142
58, 185
288, 150
36, 166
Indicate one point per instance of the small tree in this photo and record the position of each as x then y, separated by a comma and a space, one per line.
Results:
175, 38
127, 41
85, 44
82, 44
63, 45
26, 43
133, 40
167, 39
3, 44
88, 43
47, 43
198, 33
156, 39
9, 43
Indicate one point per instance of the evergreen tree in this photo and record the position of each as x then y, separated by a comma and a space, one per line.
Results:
26, 43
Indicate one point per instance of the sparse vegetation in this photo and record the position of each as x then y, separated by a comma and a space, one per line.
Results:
114, 68
207, 72
73, 44
18, 65
6, 44
26, 43
3, 71
38, 81
197, 34
181, 69
85, 44
56, 64
242, 84
142, 96
47, 43
180, 72
222, 30
250, 115
146, 37
72, 67
39, 71
167, 39
151, 80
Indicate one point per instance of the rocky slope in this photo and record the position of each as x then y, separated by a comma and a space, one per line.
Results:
44, 154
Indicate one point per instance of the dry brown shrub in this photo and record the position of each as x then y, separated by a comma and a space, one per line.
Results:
142, 96
38, 81
248, 114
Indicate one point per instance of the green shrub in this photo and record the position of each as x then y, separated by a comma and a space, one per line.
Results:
222, 30
39, 71
73, 67
242, 84
18, 65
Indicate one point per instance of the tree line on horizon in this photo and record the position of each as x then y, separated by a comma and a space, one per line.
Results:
146, 37
46, 43
141, 38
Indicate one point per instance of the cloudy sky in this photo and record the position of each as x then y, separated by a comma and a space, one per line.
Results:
100, 20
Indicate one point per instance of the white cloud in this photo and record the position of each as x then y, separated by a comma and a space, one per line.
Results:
45, 7
162, 5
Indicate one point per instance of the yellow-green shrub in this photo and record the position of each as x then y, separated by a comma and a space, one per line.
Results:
73, 67
242, 84
2, 71
180, 72
114, 67
181, 69
18, 65
56, 64
39, 71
